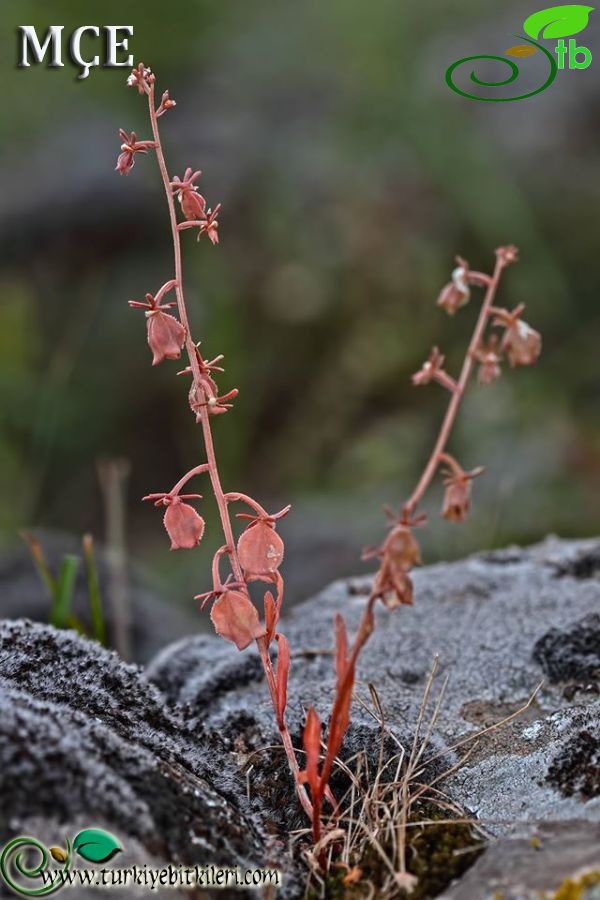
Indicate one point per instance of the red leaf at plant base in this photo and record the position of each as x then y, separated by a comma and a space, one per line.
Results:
236, 619
340, 717
341, 647
312, 748
271, 616
260, 550
283, 672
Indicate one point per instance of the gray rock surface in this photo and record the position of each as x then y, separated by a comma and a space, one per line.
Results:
85, 739
182, 761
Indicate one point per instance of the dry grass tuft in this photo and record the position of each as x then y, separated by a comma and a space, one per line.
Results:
396, 832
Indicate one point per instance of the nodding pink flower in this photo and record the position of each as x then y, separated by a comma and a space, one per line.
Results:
182, 523
141, 77
166, 335
457, 292
401, 547
236, 619
395, 587
489, 358
489, 370
260, 549
521, 343
210, 225
399, 553
193, 204
129, 147
457, 497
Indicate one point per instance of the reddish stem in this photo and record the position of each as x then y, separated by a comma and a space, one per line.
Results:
459, 391
197, 470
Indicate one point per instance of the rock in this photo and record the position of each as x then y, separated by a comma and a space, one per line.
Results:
85, 740
559, 860
498, 622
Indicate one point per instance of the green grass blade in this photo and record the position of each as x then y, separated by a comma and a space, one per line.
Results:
65, 587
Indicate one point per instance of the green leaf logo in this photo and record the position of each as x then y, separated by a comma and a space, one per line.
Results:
558, 21
96, 845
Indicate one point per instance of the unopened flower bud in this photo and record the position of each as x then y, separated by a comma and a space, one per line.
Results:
141, 77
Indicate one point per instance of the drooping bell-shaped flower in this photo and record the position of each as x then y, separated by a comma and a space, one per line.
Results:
236, 619
489, 357
183, 524
260, 549
401, 547
522, 344
457, 292
166, 336
457, 497
210, 226
193, 204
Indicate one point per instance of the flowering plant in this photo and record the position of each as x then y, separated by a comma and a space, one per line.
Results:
258, 553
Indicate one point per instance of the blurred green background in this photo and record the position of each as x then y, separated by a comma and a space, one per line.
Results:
350, 176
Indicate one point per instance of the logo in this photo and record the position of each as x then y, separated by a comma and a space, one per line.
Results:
25, 859
549, 24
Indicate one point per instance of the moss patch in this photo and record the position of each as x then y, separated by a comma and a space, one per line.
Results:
435, 853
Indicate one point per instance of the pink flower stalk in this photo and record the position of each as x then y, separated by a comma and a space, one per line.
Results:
259, 551
520, 343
